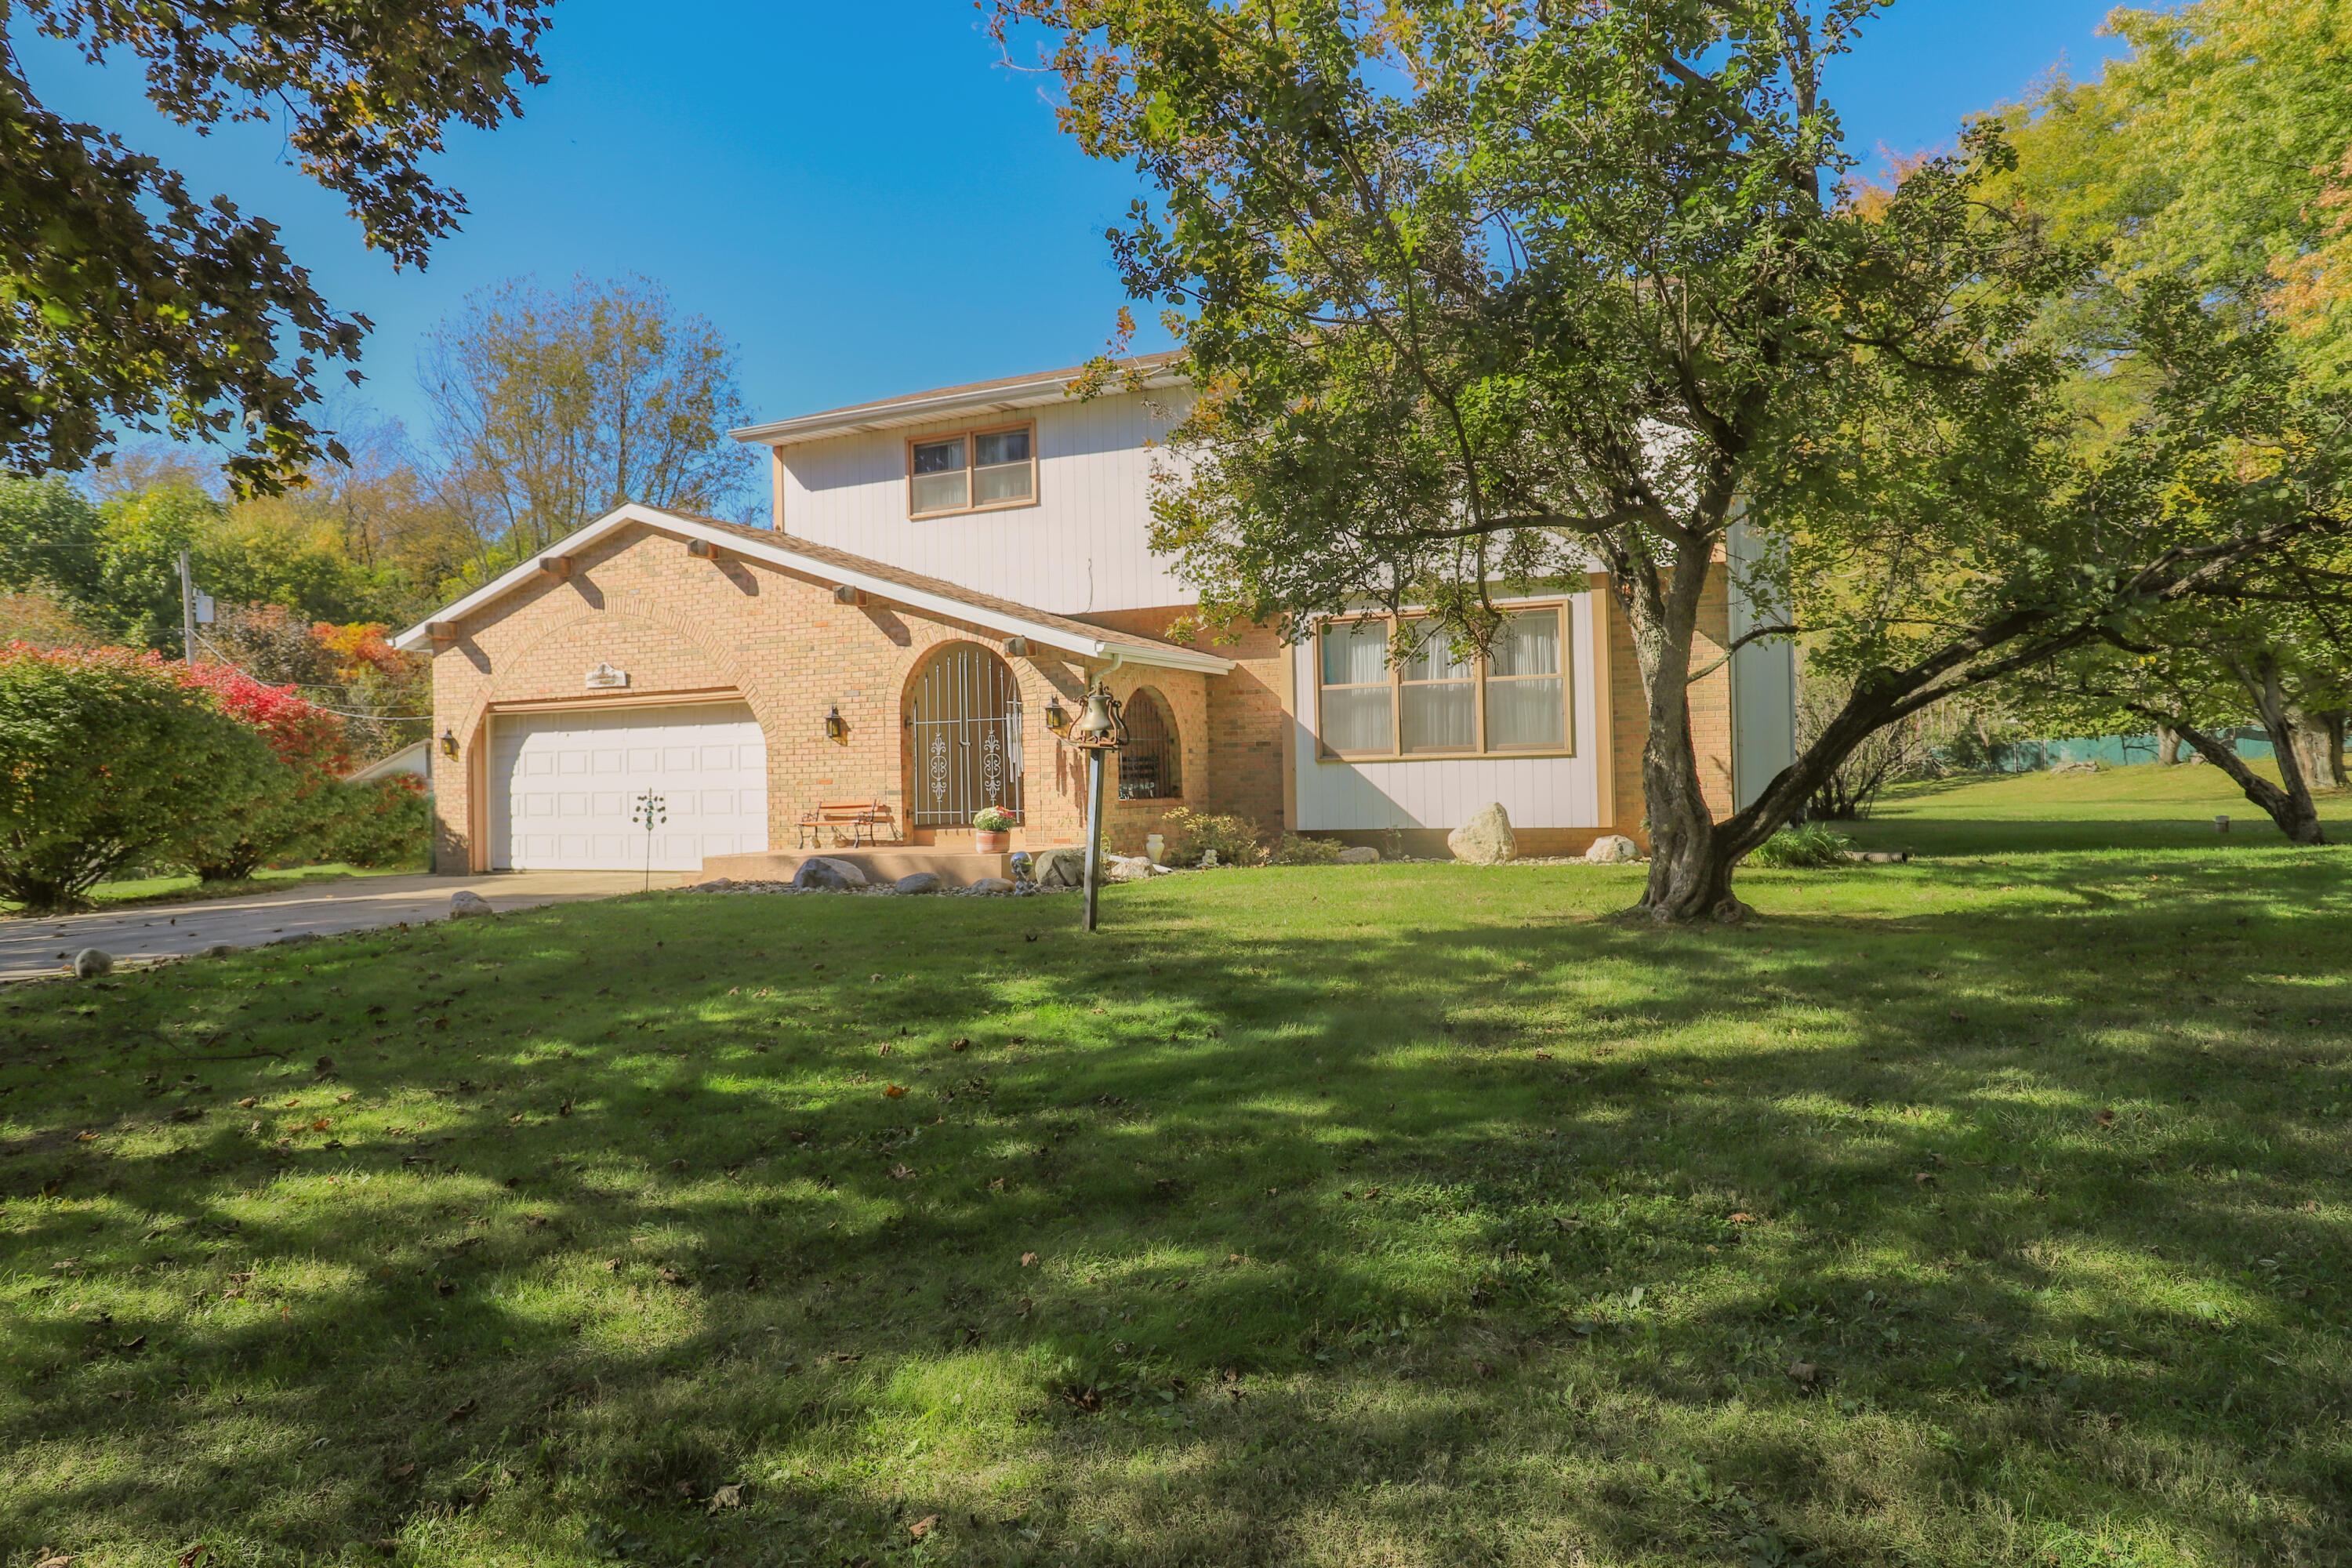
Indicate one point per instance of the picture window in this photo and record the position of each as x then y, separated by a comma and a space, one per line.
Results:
973, 470
1430, 702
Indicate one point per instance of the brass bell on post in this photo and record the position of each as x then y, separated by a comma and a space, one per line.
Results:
1103, 724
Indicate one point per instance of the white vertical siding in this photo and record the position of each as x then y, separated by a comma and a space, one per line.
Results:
1443, 792
1763, 694
1080, 550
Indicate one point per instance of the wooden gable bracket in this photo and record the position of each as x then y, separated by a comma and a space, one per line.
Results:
702, 550
441, 631
846, 595
555, 566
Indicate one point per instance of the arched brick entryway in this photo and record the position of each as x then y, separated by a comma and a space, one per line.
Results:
963, 718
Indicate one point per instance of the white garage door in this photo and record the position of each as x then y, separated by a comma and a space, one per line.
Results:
563, 787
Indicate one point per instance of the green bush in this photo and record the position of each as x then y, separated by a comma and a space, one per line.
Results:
1296, 851
381, 822
1810, 845
1192, 835
110, 759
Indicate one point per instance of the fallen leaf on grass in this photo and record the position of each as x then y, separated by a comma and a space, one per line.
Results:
959, 1044
923, 1526
54, 1562
2104, 1119
1743, 1217
612, 1266
894, 1092
444, 1287
321, 1125
672, 1277
729, 1495
901, 1174
1922, 1178
399, 1472
247, 1103
1027, 1258
458, 1413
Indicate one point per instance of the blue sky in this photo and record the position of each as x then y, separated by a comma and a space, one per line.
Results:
862, 197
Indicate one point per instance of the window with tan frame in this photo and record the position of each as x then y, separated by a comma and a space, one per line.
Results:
973, 470
1427, 703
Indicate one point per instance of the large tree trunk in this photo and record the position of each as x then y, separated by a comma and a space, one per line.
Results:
2168, 746
2288, 802
1690, 868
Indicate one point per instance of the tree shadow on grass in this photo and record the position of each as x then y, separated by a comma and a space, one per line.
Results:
1416, 1229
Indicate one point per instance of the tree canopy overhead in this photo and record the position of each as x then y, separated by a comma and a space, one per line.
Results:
1487, 294
126, 299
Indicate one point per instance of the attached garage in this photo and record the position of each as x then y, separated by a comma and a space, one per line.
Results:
565, 787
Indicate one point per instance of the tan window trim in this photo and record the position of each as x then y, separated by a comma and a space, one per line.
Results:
970, 436
1397, 684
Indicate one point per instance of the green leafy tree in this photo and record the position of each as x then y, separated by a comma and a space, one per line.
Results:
2275, 653
110, 759
127, 300
552, 409
1495, 294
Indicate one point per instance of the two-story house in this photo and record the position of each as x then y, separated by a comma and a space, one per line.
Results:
946, 575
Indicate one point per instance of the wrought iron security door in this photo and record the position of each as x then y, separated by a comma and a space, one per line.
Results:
965, 716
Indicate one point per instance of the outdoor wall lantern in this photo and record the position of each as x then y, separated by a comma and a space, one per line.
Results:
448, 742
1058, 718
836, 728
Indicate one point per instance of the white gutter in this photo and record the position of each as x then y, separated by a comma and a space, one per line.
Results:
925, 409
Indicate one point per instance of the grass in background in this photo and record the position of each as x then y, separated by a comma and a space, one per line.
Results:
187, 889
1983, 1213
2142, 806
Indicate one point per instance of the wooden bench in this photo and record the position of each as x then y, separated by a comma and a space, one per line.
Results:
863, 821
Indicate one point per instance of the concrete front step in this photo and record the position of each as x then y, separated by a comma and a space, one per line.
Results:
883, 865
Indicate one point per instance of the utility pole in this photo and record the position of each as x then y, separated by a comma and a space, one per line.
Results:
187, 610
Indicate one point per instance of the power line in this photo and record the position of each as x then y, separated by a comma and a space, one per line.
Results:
300, 686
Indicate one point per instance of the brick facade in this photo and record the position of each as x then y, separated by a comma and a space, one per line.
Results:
1248, 717
691, 629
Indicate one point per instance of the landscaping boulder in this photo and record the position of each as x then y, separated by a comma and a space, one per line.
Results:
919, 882
1129, 868
1613, 849
825, 874
465, 903
993, 884
1360, 854
1063, 868
1485, 839
92, 962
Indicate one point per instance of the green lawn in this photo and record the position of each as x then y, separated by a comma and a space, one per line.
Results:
1973, 1211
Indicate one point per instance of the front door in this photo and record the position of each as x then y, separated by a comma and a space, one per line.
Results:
963, 716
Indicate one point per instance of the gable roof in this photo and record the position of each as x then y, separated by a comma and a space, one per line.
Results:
999, 396
896, 584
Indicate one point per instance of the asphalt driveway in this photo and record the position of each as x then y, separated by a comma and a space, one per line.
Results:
30, 947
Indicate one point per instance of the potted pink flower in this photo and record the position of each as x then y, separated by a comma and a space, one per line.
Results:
991, 831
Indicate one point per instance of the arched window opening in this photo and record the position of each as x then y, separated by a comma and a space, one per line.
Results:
964, 715
1150, 765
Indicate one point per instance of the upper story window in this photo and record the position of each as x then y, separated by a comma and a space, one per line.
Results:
974, 471
1429, 702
